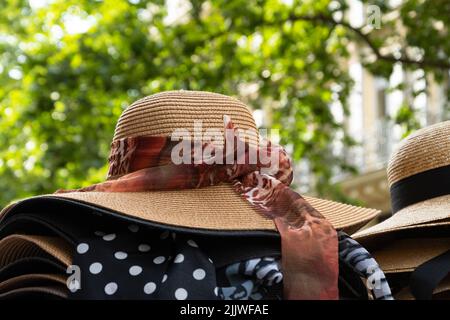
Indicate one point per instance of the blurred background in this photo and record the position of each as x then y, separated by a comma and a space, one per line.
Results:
343, 80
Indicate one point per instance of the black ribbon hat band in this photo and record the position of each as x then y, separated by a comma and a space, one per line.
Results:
420, 187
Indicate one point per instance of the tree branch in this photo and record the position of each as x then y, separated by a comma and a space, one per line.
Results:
365, 38
327, 19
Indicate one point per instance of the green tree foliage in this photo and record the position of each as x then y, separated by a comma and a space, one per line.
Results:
69, 68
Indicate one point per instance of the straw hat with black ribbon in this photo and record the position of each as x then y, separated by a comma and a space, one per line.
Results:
216, 208
415, 239
419, 181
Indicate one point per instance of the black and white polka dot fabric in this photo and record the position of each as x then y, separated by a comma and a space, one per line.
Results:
119, 260
132, 262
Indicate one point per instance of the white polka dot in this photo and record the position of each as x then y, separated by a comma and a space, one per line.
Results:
111, 288
144, 247
135, 270
216, 291
109, 237
159, 260
149, 288
95, 268
199, 274
82, 248
133, 228
120, 255
210, 260
99, 233
192, 243
179, 258
164, 235
164, 279
181, 294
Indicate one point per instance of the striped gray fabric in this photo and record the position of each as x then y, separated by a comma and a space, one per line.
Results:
254, 278
360, 260
251, 279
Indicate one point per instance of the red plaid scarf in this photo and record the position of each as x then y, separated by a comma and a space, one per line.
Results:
309, 242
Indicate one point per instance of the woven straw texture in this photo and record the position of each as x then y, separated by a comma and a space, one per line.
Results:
34, 279
161, 114
56, 291
405, 255
430, 212
426, 149
213, 208
17, 246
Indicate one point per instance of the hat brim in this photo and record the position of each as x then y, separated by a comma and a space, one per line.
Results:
405, 255
33, 279
15, 244
213, 208
442, 289
428, 213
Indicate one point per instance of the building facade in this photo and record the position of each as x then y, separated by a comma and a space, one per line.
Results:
374, 103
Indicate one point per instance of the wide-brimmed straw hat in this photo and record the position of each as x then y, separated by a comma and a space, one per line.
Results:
419, 181
405, 255
217, 208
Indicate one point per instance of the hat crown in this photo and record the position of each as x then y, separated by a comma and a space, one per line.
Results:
425, 149
163, 113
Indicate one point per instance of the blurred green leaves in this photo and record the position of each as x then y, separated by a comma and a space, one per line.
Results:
69, 68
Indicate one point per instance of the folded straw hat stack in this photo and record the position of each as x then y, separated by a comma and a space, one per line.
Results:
413, 246
41, 237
